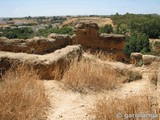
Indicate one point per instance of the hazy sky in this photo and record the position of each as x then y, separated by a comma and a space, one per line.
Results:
20, 8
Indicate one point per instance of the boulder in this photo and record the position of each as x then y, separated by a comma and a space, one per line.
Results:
44, 64
148, 59
136, 57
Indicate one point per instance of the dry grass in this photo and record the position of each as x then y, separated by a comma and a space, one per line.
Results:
121, 109
22, 95
90, 75
154, 71
101, 55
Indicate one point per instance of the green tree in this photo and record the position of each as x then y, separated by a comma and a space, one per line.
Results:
106, 29
148, 24
121, 29
137, 42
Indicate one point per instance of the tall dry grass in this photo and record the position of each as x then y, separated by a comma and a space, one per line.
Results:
126, 109
22, 95
101, 55
87, 75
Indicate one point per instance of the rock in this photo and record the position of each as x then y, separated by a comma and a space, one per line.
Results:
148, 59
136, 58
44, 64
61, 39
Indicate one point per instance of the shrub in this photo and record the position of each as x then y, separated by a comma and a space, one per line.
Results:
21, 33
137, 42
106, 29
64, 30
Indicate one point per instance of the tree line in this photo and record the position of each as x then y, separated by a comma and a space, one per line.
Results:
138, 28
25, 33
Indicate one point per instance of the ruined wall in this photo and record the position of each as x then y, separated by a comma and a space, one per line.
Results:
36, 45
87, 34
44, 64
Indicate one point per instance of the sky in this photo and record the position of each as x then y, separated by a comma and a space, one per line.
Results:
23, 8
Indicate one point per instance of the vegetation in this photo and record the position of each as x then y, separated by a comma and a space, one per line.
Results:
89, 75
121, 109
133, 76
22, 95
21, 33
86, 75
106, 29
25, 33
64, 30
137, 42
128, 23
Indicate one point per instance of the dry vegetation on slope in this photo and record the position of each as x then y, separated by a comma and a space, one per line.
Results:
127, 108
22, 95
90, 75
99, 20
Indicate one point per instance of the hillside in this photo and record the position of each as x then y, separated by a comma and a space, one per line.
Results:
99, 20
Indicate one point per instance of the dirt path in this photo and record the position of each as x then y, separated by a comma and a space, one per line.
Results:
68, 105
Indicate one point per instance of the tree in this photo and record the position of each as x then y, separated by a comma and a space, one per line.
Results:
106, 29
148, 24
137, 42
121, 29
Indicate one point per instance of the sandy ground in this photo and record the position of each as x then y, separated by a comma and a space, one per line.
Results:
69, 105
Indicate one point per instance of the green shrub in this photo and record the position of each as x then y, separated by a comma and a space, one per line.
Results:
106, 29
21, 33
137, 42
64, 30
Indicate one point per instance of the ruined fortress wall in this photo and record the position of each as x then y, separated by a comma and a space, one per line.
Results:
43, 64
87, 34
37, 45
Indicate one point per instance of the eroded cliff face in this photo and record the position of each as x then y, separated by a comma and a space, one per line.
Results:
87, 34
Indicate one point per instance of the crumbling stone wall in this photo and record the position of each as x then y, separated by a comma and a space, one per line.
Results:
44, 64
87, 34
36, 45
